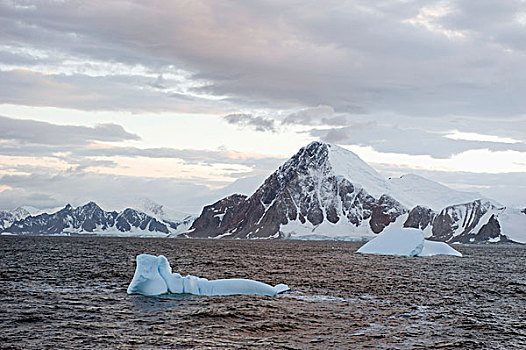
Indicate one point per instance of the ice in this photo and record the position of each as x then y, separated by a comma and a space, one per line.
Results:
406, 242
154, 276
437, 248
400, 241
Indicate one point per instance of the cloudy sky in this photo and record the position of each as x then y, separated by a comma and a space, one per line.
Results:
183, 101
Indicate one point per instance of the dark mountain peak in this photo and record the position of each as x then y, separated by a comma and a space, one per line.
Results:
316, 148
313, 155
90, 206
312, 188
89, 218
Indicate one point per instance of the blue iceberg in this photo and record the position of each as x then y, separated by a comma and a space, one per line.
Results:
154, 276
406, 241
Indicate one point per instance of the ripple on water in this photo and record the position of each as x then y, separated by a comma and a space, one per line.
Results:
70, 292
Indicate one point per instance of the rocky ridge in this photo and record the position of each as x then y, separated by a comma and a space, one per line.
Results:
90, 218
8, 217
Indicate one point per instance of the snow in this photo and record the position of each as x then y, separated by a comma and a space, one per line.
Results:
246, 185
347, 164
154, 276
158, 211
418, 190
406, 242
410, 190
513, 224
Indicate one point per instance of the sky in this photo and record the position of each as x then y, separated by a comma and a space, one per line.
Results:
183, 102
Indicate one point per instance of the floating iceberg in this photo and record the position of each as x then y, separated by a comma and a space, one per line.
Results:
405, 242
437, 248
153, 276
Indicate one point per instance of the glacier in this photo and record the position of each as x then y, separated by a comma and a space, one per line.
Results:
154, 276
406, 242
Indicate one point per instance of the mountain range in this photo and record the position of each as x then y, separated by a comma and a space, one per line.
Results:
327, 192
322, 192
91, 219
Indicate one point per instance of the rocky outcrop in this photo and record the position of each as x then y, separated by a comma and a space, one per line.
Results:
420, 217
131, 218
218, 217
385, 211
488, 233
475, 222
458, 221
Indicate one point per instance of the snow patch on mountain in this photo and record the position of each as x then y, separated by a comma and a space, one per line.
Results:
160, 211
8, 217
347, 164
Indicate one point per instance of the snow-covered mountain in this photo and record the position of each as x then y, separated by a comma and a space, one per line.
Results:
325, 191
161, 212
7, 217
90, 218
417, 190
472, 222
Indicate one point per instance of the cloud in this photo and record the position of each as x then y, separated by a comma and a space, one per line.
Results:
108, 92
412, 141
320, 115
257, 122
112, 192
47, 165
43, 133
372, 57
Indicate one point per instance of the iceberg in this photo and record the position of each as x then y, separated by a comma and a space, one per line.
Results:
402, 241
438, 248
406, 242
154, 276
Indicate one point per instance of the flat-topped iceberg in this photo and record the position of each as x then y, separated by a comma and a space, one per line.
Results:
154, 276
406, 242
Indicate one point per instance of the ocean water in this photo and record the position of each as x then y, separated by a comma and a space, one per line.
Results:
70, 293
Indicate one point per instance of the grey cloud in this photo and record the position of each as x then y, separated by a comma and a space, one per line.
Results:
257, 122
114, 92
408, 141
67, 142
359, 54
42, 133
41, 189
189, 156
320, 115
45, 191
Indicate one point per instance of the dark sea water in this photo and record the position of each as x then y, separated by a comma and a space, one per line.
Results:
70, 293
